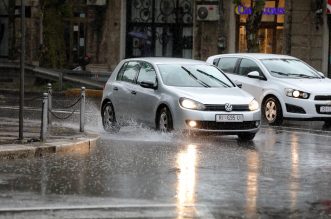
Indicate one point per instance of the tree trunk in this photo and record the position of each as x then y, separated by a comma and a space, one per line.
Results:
253, 24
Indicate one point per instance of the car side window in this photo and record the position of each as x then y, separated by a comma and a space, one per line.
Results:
130, 72
215, 61
246, 66
147, 73
120, 73
227, 64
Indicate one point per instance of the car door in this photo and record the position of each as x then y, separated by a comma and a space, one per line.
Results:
253, 86
123, 90
145, 100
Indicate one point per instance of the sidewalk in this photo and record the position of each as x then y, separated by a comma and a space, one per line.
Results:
59, 140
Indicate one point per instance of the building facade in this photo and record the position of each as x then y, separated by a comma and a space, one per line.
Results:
110, 30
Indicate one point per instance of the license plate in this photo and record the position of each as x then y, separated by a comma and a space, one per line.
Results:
229, 118
325, 109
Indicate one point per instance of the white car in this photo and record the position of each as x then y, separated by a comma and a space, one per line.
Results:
285, 86
178, 94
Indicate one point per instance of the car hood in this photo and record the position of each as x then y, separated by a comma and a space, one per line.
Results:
214, 95
309, 85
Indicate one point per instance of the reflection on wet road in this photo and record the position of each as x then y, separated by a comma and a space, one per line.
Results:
142, 172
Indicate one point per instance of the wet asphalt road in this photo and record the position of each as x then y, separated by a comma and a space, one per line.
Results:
141, 173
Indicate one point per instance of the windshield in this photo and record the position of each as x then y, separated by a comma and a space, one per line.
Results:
289, 68
193, 76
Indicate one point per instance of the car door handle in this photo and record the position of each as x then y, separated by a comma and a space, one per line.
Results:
115, 88
134, 92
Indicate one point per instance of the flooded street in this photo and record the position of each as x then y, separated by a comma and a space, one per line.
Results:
140, 172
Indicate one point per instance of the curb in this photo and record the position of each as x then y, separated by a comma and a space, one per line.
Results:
82, 145
88, 92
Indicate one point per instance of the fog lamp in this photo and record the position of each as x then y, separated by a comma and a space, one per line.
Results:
192, 124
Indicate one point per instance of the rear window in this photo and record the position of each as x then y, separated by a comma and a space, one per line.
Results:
227, 64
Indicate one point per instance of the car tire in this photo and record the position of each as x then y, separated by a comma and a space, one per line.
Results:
108, 118
246, 136
164, 120
272, 111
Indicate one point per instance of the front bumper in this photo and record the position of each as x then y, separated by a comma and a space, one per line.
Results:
206, 121
309, 109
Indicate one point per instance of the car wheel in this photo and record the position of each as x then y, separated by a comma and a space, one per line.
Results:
164, 120
273, 111
246, 136
108, 118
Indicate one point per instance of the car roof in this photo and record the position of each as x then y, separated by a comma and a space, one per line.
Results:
165, 60
256, 55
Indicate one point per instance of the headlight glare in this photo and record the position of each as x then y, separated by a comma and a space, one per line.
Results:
191, 104
254, 105
296, 93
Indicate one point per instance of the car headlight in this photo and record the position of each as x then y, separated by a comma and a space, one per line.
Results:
191, 104
254, 105
296, 93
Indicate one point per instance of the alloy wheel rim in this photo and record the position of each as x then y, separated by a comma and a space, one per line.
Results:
163, 122
271, 111
108, 117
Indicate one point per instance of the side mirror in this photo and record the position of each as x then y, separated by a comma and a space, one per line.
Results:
256, 75
148, 84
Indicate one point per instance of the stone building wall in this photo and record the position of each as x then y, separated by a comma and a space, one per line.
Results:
111, 37
306, 36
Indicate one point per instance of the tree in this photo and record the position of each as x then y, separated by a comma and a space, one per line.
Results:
53, 52
253, 24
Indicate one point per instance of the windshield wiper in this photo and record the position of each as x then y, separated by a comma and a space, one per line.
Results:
193, 76
293, 74
213, 77
280, 73
302, 75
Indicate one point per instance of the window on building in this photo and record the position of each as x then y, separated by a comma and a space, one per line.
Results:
76, 32
159, 28
271, 30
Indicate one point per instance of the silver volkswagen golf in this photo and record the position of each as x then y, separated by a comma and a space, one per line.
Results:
178, 94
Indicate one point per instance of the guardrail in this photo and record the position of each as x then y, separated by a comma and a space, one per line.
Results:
86, 78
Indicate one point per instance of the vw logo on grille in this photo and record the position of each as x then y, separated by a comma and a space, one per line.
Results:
228, 107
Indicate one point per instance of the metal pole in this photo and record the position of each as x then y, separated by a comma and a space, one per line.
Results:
50, 92
60, 81
82, 109
21, 110
43, 131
